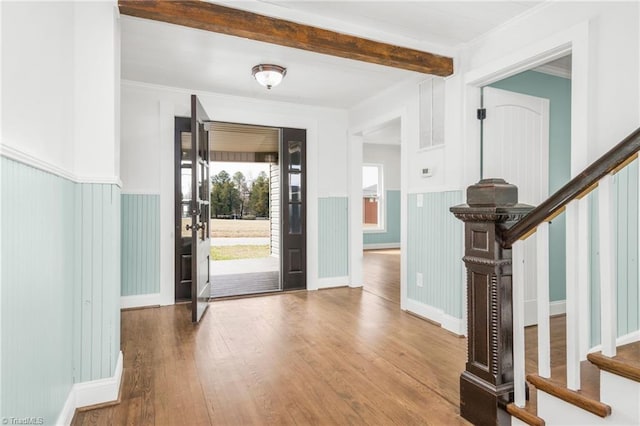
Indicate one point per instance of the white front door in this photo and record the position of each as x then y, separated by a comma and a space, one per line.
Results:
516, 148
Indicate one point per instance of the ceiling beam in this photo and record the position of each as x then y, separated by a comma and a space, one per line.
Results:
240, 23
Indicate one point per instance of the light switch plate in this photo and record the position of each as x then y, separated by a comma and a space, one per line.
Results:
419, 200
419, 279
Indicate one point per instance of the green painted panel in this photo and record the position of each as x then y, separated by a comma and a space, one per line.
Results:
626, 200
333, 237
626, 241
37, 291
558, 91
60, 306
99, 261
140, 244
434, 248
392, 219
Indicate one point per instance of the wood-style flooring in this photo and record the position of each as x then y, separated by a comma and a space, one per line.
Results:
381, 270
329, 357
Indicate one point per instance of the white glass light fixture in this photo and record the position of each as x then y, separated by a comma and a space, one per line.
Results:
268, 75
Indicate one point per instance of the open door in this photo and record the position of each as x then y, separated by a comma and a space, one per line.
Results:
294, 209
200, 211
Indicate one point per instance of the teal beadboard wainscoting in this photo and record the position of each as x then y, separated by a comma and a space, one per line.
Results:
140, 244
333, 237
435, 250
391, 234
60, 319
626, 240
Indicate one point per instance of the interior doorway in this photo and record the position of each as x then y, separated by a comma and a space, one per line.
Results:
257, 218
381, 216
526, 139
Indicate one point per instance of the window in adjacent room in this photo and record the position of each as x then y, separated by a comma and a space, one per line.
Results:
372, 197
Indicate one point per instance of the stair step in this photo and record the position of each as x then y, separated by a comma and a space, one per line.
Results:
625, 364
577, 398
527, 414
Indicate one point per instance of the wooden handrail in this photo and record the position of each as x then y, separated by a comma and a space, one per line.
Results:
619, 156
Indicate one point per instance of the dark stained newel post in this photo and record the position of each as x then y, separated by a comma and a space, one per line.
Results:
486, 385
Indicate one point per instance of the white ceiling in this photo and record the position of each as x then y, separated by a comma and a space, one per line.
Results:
171, 55
447, 23
384, 134
561, 67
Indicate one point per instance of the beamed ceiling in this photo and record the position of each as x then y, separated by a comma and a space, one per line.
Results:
337, 53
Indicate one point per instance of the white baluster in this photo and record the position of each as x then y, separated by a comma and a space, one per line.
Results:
518, 323
572, 315
542, 273
608, 277
584, 280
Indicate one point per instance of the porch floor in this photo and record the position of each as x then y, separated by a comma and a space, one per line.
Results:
244, 276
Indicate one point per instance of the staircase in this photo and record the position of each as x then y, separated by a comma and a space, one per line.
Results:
581, 384
609, 394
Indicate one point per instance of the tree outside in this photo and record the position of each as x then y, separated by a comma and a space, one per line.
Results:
236, 197
259, 196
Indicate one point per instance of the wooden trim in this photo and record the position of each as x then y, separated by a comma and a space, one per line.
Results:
606, 164
524, 415
555, 214
587, 191
560, 391
615, 366
625, 164
225, 20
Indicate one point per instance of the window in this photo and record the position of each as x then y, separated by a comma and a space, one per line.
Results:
432, 113
372, 197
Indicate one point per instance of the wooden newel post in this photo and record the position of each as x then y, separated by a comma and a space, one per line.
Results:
486, 385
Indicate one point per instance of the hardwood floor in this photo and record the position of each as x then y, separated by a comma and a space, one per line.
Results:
340, 356
381, 269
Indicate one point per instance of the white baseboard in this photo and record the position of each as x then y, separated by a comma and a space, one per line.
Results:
531, 310
333, 282
381, 246
632, 337
140, 300
91, 393
558, 307
446, 321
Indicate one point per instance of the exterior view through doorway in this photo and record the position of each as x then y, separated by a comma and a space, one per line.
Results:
258, 210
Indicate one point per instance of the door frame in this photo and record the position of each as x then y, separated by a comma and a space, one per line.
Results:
355, 162
253, 113
574, 41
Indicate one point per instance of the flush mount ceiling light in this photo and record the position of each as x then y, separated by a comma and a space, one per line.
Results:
268, 75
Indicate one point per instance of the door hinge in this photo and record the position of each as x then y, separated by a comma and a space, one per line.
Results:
482, 113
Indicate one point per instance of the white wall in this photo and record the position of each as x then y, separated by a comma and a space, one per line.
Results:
442, 160
147, 153
59, 91
37, 81
389, 157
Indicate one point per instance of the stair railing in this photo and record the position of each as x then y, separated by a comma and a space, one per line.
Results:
495, 229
